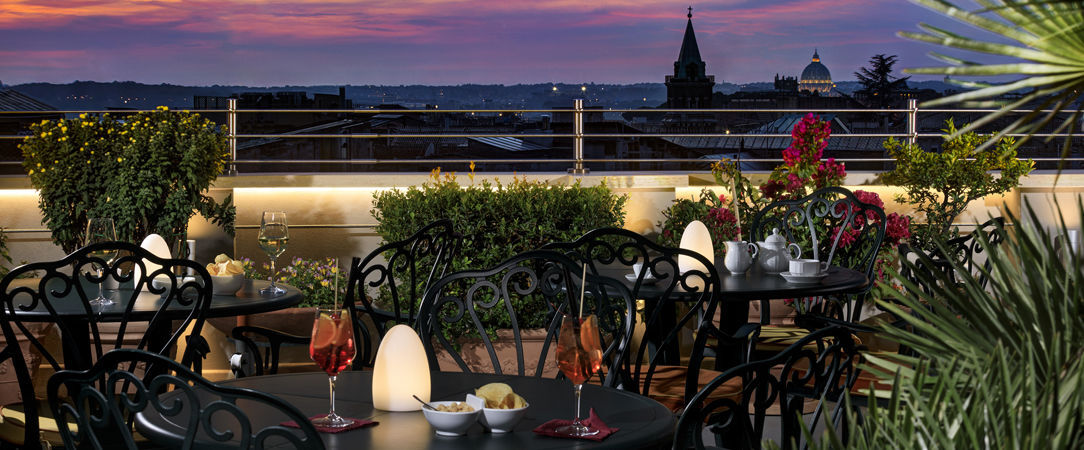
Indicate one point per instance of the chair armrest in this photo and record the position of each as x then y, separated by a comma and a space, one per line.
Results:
274, 338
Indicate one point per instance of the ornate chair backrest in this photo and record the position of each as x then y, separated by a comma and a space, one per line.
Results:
821, 366
831, 225
962, 250
103, 401
535, 287
692, 292
63, 299
397, 274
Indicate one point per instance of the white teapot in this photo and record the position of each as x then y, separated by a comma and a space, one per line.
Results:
775, 254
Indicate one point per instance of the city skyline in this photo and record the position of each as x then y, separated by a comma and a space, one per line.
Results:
440, 42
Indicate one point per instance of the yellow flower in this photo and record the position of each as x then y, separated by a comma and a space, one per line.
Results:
43, 135
120, 159
55, 161
31, 172
39, 164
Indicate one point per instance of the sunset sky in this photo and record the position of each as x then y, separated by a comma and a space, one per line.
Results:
279, 42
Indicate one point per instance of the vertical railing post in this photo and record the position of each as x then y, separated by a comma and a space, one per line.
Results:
577, 138
912, 121
231, 129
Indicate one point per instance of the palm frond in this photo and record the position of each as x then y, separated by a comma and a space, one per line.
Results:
1048, 36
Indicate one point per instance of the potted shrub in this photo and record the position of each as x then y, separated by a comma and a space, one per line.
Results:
941, 184
149, 172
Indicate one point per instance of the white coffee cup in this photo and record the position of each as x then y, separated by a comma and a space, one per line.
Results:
637, 267
805, 266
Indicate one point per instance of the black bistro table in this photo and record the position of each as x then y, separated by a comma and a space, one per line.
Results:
737, 290
644, 423
248, 300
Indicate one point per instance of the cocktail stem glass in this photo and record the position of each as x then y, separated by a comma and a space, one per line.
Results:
331, 385
576, 420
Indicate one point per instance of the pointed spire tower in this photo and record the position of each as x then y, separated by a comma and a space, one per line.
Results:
690, 86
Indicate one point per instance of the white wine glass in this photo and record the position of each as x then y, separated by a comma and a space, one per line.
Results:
274, 235
100, 229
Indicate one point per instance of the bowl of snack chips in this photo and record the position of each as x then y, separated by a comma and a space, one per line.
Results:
503, 408
227, 275
451, 418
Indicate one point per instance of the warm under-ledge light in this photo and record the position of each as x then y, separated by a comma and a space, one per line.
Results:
400, 371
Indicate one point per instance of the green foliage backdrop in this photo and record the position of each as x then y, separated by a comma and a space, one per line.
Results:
498, 220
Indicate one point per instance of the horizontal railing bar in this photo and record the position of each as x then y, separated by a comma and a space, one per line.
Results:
460, 111
544, 161
585, 136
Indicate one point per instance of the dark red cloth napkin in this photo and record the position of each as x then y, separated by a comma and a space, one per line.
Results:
548, 428
358, 423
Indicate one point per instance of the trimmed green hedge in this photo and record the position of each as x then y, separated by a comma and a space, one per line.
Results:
499, 220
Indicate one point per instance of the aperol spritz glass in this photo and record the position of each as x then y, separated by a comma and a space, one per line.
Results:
332, 349
579, 355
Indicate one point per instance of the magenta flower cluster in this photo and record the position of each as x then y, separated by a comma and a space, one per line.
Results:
802, 169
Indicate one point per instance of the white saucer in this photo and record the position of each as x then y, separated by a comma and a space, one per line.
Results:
632, 278
803, 279
161, 282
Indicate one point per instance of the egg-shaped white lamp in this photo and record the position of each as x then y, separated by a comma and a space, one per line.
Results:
696, 238
401, 370
157, 245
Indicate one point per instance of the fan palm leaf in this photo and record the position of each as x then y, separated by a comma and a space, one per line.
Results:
997, 367
1048, 35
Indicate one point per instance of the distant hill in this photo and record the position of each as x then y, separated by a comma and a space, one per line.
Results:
93, 95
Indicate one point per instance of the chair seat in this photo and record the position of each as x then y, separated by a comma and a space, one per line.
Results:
668, 386
13, 421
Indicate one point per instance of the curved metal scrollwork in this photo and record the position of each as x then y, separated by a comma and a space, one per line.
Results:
61, 296
464, 304
103, 401
819, 368
940, 267
389, 282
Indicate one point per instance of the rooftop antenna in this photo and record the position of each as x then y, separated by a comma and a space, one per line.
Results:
690, 12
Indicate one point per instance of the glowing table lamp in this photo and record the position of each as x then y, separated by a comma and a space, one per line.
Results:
696, 238
401, 370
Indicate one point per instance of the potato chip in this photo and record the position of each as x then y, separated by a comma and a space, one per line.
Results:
494, 394
221, 258
519, 403
234, 267
212, 269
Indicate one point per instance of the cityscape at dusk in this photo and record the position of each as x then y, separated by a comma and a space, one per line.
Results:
439, 42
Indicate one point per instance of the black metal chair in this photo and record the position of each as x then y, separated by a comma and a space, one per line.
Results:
102, 402
680, 305
538, 286
831, 225
821, 366
86, 331
395, 275
962, 251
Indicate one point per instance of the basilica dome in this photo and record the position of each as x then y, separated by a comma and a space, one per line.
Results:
815, 77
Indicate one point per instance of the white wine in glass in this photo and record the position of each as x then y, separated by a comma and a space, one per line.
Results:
274, 235
100, 229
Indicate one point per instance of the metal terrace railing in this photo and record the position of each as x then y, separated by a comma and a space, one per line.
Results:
576, 160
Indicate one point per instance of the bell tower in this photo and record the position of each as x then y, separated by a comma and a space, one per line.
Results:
689, 87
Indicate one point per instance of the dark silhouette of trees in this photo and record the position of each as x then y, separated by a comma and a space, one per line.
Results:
879, 85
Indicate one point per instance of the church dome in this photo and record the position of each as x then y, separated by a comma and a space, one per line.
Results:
816, 77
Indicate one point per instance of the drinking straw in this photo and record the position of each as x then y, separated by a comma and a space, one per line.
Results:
734, 204
336, 283
583, 287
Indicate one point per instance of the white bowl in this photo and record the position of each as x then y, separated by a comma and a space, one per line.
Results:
502, 420
227, 284
450, 423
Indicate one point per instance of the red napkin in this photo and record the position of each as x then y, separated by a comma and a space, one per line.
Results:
548, 428
358, 423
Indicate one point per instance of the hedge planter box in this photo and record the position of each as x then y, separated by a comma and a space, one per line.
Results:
474, 353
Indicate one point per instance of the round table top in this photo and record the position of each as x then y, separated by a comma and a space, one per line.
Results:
643, 423
759, 285
248, 300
